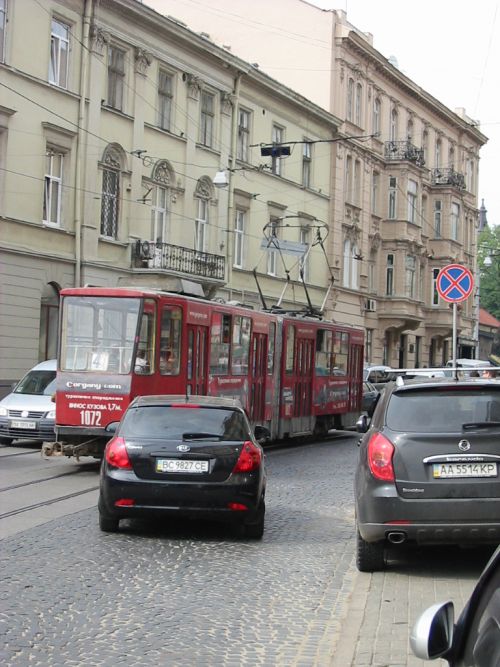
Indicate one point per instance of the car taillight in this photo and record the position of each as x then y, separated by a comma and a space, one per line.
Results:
116, 454
380, 453
250, 458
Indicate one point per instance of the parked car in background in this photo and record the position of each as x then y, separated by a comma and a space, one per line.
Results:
184, 456
379, 376
29, 412
370, 396
475, 639
428, 467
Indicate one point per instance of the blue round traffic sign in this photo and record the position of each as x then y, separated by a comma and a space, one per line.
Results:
454, 283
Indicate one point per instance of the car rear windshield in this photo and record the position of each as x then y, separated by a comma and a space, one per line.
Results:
37, 382
184, 422
442, 410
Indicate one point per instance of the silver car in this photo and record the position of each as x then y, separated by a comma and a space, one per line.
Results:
29, 411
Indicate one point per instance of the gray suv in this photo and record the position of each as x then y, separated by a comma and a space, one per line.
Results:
428, 468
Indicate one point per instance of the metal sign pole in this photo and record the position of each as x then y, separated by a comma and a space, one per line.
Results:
454, 334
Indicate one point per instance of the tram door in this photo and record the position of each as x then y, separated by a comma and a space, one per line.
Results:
258, 377
355, 375
196, 380
302, 408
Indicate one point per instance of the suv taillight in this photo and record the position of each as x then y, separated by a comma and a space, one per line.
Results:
116, 454
380, 453
250, 458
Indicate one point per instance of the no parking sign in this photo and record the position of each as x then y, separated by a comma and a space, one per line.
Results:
454, 283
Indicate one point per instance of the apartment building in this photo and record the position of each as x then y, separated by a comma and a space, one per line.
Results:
405, 191
135, 151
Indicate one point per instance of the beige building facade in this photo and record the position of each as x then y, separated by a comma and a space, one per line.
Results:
404, 194
114, 125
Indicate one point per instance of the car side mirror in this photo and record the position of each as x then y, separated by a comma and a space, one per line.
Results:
261, 433
112, 427
362, 424
432, 634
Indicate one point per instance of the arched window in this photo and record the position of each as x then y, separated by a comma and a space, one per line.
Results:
437, 157
350, 264
409, 131
203, 194
394, 125
112, 164
350, 99
163, 178
376, 115
49, 319
359, 103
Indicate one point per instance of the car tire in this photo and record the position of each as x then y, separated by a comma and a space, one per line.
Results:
6, 441
370, 556
108, 524
255, 530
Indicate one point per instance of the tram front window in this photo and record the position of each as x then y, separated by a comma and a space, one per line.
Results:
98, 333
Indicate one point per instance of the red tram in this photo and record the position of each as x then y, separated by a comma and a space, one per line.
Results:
293, 374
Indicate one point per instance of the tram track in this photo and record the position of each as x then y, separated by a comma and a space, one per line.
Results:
7, 456
46, 503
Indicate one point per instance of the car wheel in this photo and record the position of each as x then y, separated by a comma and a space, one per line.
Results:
6, 441
107, 524
369, 555
255, 530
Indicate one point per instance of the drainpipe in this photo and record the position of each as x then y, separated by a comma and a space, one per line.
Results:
81, 143
231, 165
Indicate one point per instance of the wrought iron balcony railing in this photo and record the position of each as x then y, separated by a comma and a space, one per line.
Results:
404, 150
447, 176
151, 255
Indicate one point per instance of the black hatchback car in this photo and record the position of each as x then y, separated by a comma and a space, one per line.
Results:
428, 468
190, 457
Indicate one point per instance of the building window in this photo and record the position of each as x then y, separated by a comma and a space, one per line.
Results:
376, 115
412, 201
59, 53
159, 215
372, 272
110, 198
306, 164
357, 183
455, 221
350, 99
425, 145
437, 156
409, 130
348, 179
272, 252
243, 135
207, 119
359, 104
437, 218
201, 223
350, 267
53, 188
394, 125
49, 321
277, 138
3, 20
451, 158
469, 175
165, 98
304, 238
410, 271
389, 275
375, 187
368, 345
392, 198
116, 77
239, 238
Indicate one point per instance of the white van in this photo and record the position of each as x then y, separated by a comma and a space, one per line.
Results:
29, 413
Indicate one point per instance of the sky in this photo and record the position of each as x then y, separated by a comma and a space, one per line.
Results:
451, 48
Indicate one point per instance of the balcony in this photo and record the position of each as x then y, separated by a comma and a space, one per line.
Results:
397, 151
168, 257
447, 177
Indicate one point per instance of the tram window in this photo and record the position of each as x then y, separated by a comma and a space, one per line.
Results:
144, 358
170, 340
241, 345
270, 348
290, 349
324, 352
220, 344
341, 349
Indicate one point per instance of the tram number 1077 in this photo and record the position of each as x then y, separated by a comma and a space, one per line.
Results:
90, 417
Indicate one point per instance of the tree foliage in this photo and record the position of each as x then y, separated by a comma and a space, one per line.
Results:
489, 287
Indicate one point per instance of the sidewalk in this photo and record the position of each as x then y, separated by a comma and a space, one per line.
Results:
384, 605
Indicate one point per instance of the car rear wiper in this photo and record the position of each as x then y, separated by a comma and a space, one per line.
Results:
470, 426
201, 436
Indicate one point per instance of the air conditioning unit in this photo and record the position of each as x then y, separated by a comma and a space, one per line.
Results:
370, 305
